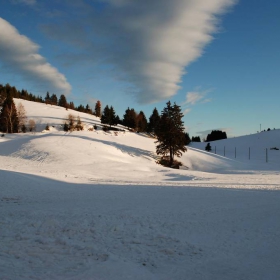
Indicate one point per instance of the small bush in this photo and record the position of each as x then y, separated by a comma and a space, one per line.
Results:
47, 127
208, 147
31, 125
66, 127
23, 128
165, 162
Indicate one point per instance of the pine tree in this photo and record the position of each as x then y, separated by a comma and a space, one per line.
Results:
109, 116
208, 147
62, 101
8, 117
141, 122
129, 118
170, 133
53, 99
47, 98
153, 121
97, 110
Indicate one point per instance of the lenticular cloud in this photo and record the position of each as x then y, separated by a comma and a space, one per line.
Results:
155, 42
20, 54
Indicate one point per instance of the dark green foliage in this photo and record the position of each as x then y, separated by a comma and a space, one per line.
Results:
47, 98
196, 139
66, 127
97, 110
71, 105
153, 121
109, 116
216, 135
170, 133
23, 94
88, 110
187, 139
8, 116
62, 102
23, 128
141, 122
208, 147
53, 99
47, 127
129, 118
80, 108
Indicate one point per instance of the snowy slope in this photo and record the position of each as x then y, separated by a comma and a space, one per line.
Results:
95, 205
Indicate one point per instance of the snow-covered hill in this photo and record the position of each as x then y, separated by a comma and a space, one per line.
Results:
95, 205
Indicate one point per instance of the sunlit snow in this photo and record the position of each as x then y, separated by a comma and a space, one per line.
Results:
96, 205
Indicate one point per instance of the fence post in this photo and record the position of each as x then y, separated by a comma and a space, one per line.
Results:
249, 153
215, 149
235, 152
224, 151
266, 155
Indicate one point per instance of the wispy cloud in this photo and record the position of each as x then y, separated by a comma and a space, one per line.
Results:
194, 97
19, 53
150, 44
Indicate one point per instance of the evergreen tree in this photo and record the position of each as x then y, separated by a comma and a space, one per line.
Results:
62, 101
88, 109
71, 105
208, 147
187, 139
53, 99
196, 139
216, 135
170, 132
8, 117
141, 122
153, 121
109, 116
47, 98
129, 118
97, 110
3, 94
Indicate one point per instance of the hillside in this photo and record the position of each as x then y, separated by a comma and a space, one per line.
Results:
96, 205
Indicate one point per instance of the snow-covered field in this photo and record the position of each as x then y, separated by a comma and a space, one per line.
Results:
95, 205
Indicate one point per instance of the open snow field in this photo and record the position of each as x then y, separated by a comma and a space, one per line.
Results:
95, 205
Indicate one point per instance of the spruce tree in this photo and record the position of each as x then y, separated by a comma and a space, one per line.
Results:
62, 101
8, 117
141, 122
170, 133
153, 121
98, 109
109, 116
129, 118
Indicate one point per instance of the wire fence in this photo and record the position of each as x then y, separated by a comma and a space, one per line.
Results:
271, 155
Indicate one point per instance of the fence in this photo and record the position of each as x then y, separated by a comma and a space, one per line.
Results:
263, 154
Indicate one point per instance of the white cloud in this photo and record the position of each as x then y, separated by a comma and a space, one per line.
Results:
149, 43
19, 53
186, 111
193, 97
160, 40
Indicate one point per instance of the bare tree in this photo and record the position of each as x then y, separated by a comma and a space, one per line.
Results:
21, 116
31, 125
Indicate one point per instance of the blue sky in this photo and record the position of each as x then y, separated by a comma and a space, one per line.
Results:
218, 59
